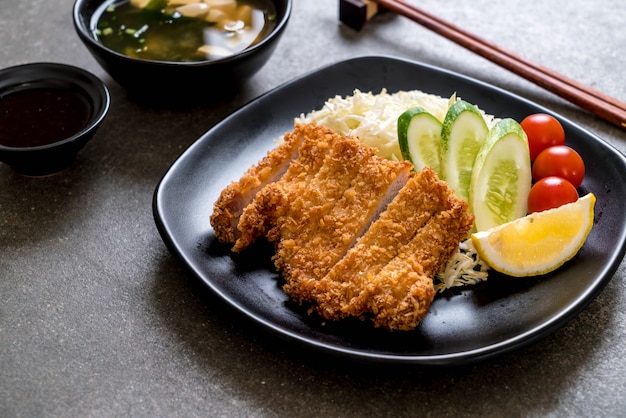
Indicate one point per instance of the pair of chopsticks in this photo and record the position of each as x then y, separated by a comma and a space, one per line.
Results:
599, 104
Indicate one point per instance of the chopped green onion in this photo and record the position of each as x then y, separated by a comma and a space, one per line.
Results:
140, 31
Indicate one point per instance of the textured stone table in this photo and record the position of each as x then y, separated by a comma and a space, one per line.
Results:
97, 318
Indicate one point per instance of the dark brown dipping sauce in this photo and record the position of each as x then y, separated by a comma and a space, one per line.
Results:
41, 116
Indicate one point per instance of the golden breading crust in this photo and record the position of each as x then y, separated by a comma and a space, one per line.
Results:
259, 215
236, 196
400, 295
336, 293
311, 246
388, 274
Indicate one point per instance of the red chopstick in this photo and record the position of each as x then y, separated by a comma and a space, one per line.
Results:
599, 104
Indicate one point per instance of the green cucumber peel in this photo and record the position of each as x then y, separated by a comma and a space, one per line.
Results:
463, 133
419, 137
502, 176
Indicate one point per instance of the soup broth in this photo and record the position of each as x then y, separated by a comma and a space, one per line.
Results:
184, 30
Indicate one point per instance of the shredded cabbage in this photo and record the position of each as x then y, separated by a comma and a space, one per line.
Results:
464, 268
373, 118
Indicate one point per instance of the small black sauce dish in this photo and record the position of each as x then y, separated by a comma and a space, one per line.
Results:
48, 112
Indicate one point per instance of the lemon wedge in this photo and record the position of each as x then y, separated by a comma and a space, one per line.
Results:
537, 243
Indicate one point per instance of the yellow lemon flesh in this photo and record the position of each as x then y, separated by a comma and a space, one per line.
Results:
537, 243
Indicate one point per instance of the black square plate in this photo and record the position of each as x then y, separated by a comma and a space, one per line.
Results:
462, 326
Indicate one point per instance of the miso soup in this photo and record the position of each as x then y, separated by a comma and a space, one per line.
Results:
184, 30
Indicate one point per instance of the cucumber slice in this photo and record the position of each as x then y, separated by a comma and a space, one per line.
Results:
419, 137
502, 176
463, 132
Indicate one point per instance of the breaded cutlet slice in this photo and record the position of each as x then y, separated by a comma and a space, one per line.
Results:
410, 209
310, 202
293, 207
400, 295
237, 195
306, 252
259, 215
385, 269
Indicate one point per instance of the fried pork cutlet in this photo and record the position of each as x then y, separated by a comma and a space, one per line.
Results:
355, 234
309, 246
260, 215
236, 196
301, 152
311, 201
388, 275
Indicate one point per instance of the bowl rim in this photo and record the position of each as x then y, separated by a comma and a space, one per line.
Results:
49, 73
82, 24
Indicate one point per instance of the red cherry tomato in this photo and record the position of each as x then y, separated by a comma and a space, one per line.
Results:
543, 131
561, 161
550, 192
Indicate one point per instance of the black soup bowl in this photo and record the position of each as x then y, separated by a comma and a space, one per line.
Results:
162, 79
48, 113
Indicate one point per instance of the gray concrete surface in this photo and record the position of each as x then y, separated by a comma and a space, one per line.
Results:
98, 319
